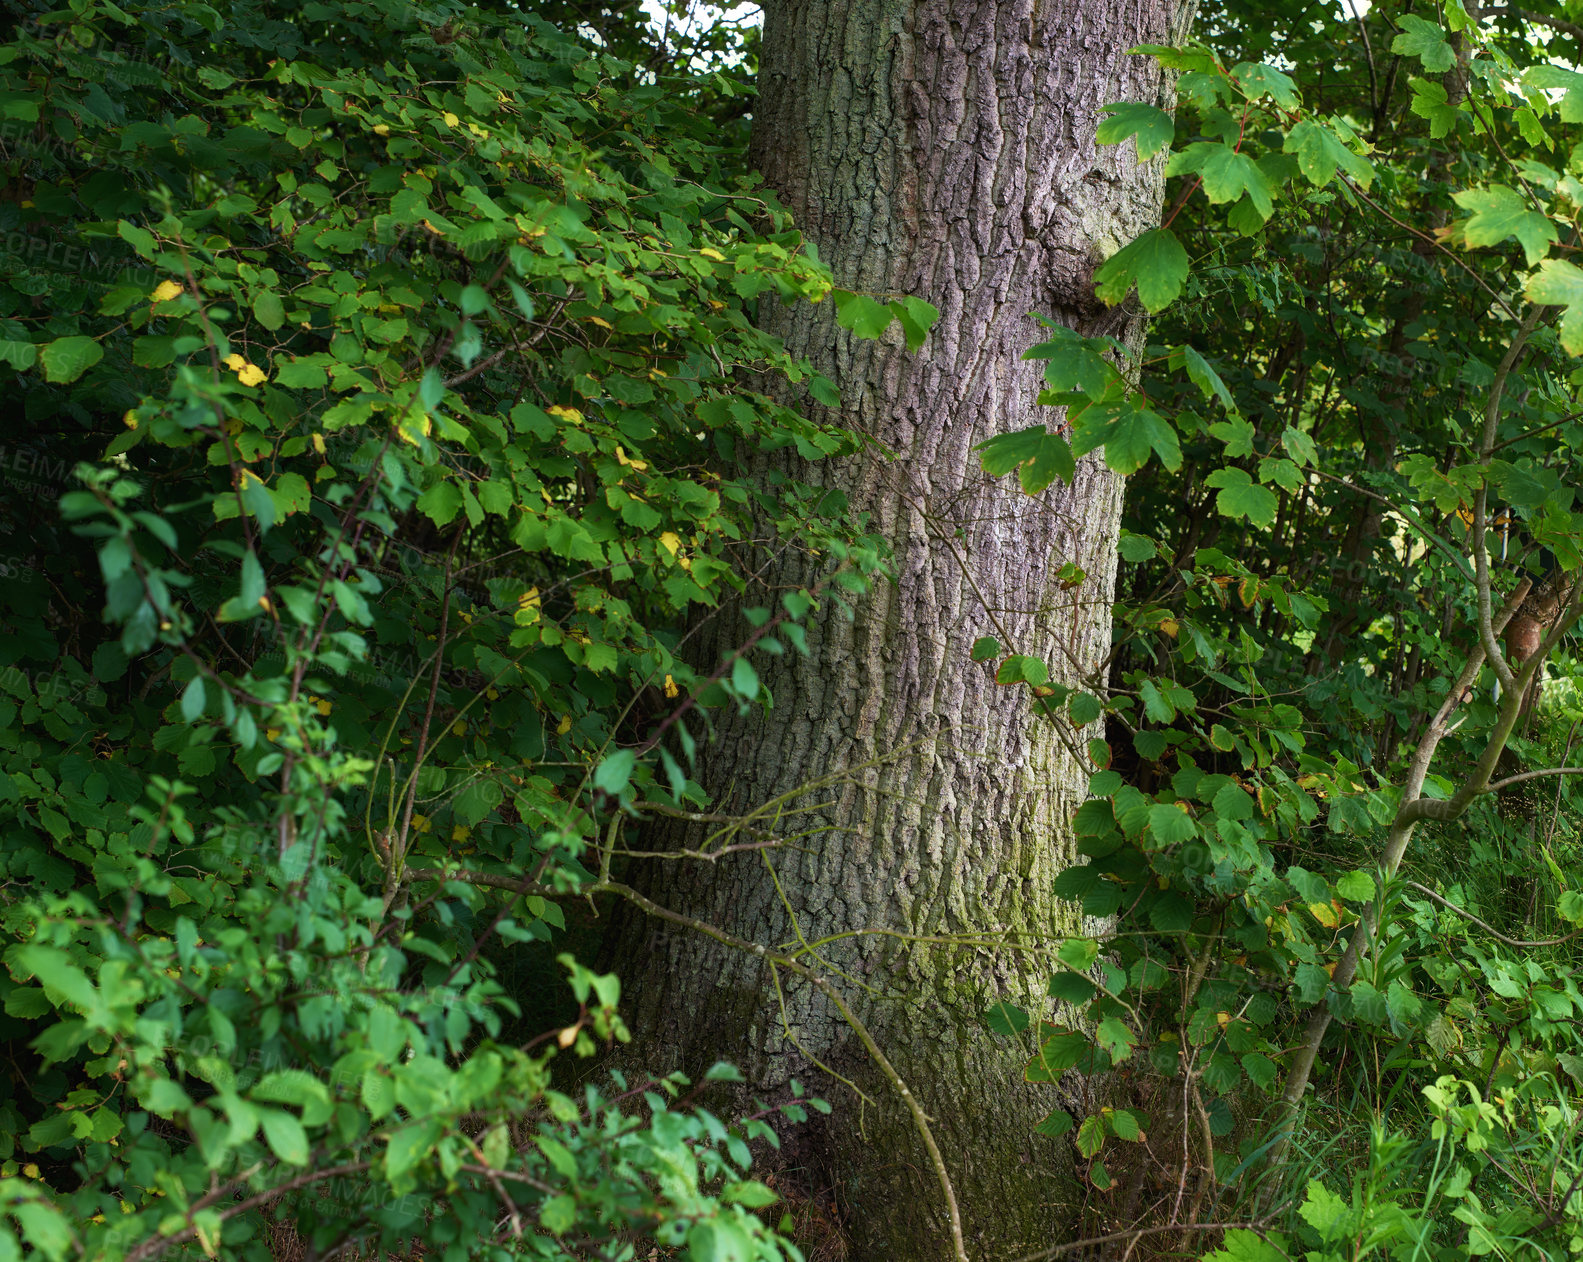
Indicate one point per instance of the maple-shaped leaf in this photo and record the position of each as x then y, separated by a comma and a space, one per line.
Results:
1320, 152
1151, 127
1241, 496
1560, 284
1156, 263
1425, 41
1500, 212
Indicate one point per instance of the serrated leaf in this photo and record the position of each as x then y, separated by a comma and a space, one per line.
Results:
985, 648
1039, 456
917, 317
1559, 283
1320, 152
866, 317
1054, 1124
1431, 102
1425, 41
1152, 128
1156, 263
1057, 1053
1258, 80
1091, 1136
1226, 173
1171, 825
1240, 496
1500, 212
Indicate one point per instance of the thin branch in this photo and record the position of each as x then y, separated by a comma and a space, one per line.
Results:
1485, 925
1533, 775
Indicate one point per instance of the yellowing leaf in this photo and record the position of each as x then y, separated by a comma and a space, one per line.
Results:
130, 420
1325, 914
461, 832
381, 129
450, 119
566, 413
565, 725
671, 690
165, 291
671, 542
318, 443
712, 254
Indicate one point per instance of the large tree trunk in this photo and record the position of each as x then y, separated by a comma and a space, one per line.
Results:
943, 148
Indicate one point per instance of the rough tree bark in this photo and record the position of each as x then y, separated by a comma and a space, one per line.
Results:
942, 148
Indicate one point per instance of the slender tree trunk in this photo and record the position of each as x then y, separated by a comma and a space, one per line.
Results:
943, 148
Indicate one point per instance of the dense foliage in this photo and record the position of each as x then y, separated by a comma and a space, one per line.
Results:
377, 376
1359, 414
384, 379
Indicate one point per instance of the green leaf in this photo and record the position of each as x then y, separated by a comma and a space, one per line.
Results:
1425, 41
192, 699
1057, 1053
1240, 496
1357, 886
1257, 80
1500, 212
1078, 954
1226, 173
1550, 78
1054, 1124
1261, 1070
67, 358
866, 317
1041, 457
1156, 263
1019, 669
57, 974
744, 679
1172, 912
1560, 284
268, 310
1203, 375
1072, 988
750, 1193
985, 648
1091, 1136
1085, 708
1153, 128
917, 317
1170, 826
378, 1093
1431, 102
286, 1137
1326, 1212
410, 1144
1129, 435
1320, 152
614, 773
1124, 1125
18, 355
558, 1214
1005, 1018
1114, 1036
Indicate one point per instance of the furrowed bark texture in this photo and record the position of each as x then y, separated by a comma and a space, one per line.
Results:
944, 149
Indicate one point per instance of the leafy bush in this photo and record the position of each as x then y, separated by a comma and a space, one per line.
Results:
391, 367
